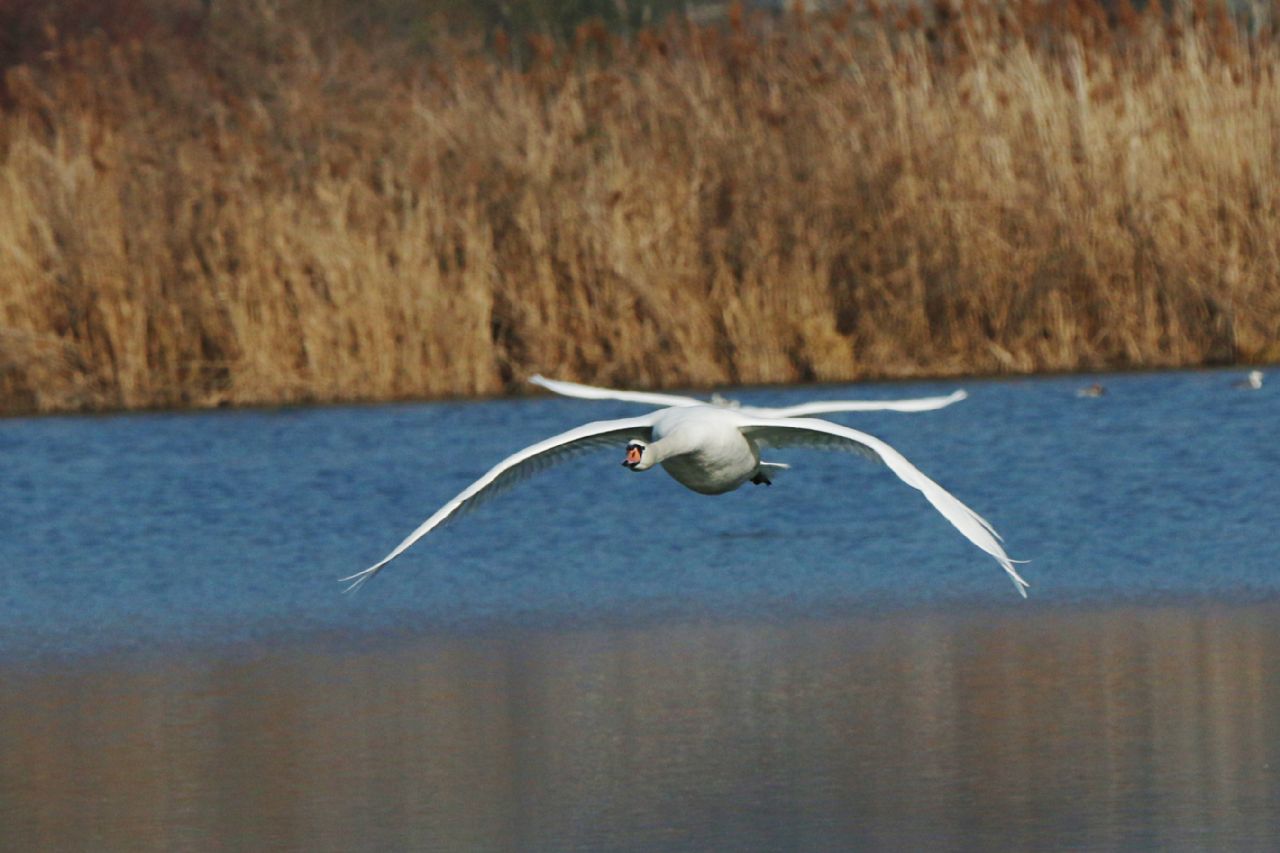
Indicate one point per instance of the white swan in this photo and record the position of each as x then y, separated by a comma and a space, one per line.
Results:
591, 392
710, 450
1253, 382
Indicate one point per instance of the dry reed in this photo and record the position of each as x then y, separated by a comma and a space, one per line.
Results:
262, 212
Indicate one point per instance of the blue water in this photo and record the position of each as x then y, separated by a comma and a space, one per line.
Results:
175, 531
602, 660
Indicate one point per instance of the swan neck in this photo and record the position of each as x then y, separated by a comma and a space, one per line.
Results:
668, 447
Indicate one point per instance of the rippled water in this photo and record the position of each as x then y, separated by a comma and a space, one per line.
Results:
603, 660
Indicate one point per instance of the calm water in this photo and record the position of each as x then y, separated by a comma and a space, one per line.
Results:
603, 660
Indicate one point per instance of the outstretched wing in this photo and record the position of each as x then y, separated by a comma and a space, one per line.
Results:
591, 392
515, 469
917, 404
811, 432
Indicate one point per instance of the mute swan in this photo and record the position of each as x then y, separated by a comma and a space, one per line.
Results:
1253, 382
711, 450
591, 392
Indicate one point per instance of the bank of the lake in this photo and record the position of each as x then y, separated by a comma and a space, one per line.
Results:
257, 208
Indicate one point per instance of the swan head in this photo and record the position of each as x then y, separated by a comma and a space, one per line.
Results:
638, 458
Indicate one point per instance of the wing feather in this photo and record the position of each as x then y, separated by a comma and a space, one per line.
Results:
591, 392
814, 433
917, 404
513, 470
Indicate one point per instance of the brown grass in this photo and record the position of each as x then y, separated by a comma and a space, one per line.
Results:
258, 211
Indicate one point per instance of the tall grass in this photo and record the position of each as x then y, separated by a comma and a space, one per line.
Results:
257, 210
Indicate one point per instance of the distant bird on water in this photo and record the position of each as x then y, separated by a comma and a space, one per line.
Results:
1094, 390
711, 450
1252, 382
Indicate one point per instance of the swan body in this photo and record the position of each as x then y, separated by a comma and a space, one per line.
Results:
1252, 382
591, 392
711, 450
699, 453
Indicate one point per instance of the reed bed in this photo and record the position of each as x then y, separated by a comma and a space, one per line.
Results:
254, 210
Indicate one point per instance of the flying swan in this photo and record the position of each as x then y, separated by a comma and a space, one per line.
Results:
591, 392
711, 450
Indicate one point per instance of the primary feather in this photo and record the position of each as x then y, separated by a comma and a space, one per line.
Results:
592, 392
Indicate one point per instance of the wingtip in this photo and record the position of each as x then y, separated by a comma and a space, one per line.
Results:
539, 380
360, 578
1018, 582
353, 583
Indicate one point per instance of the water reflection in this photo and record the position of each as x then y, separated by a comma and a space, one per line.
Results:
1145, 726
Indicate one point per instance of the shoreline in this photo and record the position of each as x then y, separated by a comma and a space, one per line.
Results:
521, 391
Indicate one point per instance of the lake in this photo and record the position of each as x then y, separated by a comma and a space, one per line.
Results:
603, 660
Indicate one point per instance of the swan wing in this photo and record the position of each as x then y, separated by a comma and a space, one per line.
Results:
814, 433
591, 392
917, 404
515, 469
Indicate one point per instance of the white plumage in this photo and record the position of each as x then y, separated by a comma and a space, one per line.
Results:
591, 392
1251, 382
711, 450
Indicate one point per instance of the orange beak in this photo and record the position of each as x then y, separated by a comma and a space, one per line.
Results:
633, 456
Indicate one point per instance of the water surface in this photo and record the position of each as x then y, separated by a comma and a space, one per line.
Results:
603, 660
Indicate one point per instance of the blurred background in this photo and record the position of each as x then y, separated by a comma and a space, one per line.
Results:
245, 202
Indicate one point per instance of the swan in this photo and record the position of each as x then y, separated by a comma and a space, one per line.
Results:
711, 450
1253, 382
591, 392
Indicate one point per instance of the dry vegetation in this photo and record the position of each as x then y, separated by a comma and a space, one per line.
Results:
251, 209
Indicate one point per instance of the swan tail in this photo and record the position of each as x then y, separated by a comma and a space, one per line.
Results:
767, 472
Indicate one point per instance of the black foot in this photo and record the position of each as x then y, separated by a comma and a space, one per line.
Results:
761, 480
